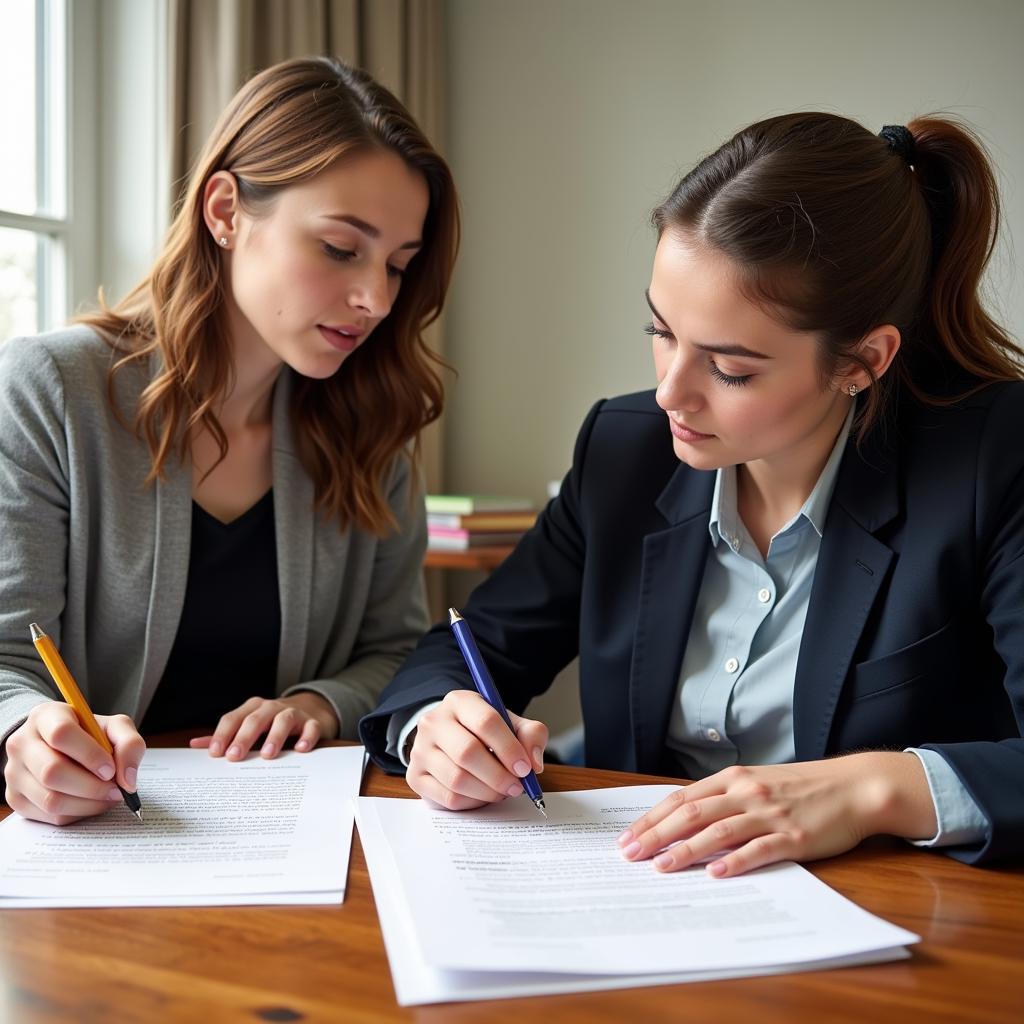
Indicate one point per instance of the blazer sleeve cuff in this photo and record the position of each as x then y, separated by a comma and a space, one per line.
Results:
374, 727
347, 703
15, 710
401, 725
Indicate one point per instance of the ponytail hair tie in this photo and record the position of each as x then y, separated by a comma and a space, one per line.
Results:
901, 142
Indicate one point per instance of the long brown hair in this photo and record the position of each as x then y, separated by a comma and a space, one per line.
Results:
836, 231
284, 126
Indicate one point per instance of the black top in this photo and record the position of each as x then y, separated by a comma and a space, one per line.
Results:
226, 647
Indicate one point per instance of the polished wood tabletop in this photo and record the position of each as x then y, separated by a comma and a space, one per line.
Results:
218, 964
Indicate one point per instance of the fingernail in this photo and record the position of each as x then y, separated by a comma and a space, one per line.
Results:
130, 777
234, 751
521, 768
632, 850
113, 794
717, 868
625, 837
105, 772
514, 790
538, 758
663, 860
268, 750
216, 748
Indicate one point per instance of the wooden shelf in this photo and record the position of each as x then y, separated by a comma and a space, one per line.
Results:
483, 559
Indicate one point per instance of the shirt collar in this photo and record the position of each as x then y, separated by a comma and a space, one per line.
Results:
725, 519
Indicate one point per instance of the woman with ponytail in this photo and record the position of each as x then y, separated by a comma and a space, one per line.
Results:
208, 492
794, 572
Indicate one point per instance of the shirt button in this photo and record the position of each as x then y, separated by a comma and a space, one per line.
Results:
731, 665
764, 595
734, 543
714, 735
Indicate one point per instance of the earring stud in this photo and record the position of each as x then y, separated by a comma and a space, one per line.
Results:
852, 390
223, 241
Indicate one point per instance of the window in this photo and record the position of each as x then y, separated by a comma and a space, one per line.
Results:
84, 173
34, 201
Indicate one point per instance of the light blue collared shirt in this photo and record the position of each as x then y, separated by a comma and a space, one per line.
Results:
734, 704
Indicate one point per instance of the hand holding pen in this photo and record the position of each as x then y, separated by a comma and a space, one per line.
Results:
467, 755
58, 770
485, 687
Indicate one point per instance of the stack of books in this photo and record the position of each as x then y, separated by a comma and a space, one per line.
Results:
458, 522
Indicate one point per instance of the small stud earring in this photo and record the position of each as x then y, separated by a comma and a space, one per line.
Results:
223, 241
852, 390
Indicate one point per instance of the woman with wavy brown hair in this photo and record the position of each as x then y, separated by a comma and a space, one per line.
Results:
794, 571
208, 492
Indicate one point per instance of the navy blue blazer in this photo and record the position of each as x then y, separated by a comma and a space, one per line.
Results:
914, 634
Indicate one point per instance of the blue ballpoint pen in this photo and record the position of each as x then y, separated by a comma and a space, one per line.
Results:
486, 688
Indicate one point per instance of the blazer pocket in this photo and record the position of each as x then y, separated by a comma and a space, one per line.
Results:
933, 655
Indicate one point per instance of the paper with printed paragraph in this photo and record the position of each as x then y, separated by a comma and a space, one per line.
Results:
215, 832
496, 902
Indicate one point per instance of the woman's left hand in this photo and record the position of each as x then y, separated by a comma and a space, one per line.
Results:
306, 714
799, 812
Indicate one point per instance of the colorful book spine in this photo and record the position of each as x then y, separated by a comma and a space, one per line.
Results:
482, 522
463, 540
469, 504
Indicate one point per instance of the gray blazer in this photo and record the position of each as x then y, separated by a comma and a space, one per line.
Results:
100, 560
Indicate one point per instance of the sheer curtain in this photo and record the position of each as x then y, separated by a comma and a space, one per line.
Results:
217, 44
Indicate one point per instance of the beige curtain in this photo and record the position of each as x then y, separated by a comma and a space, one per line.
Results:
217, 44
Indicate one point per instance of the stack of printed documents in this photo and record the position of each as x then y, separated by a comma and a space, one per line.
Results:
214, 833
498, 902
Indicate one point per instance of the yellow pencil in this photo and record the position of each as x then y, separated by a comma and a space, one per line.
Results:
73, 695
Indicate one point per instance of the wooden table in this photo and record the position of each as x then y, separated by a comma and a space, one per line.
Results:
118, 966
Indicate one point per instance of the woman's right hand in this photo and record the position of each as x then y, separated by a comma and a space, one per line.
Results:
464, 755
57, 773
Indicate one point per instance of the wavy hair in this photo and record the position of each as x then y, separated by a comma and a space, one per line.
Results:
834, 231
285, 125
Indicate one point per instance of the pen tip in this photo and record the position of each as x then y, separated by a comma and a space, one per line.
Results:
36, 632
453, 616
138, 814
540, 807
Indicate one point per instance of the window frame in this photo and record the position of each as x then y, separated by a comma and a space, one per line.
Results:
109, 198
68, 159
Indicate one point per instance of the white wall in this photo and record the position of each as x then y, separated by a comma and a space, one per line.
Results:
570, 119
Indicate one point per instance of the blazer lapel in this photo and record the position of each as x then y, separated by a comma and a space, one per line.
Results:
852, 565
673, 566
294, 522
172, 541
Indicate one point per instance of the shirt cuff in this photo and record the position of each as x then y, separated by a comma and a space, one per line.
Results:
400, 725
960, 820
